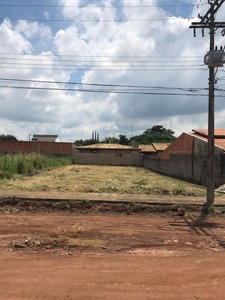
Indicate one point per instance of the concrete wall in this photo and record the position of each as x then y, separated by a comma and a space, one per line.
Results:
40, 147
120, 159
178, 166
180, 163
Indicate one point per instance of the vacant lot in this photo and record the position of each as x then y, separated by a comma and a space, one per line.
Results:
68, 250
102, 179
66, 256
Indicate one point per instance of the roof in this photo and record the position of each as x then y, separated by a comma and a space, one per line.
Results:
147, 148
220, 143
161, 146
219, 132
106, 146
144, 148
219, 136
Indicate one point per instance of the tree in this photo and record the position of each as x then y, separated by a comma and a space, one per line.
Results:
90, 142
156, 134
123, 140
85, 142
110, 140
7, 137
79, 142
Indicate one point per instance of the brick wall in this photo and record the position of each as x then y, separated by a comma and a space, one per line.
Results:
182, 145
40, 147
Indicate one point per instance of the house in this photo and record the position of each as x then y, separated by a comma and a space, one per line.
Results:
186, 157
45, 138
154, 149
115, 154
108, 154
219, 136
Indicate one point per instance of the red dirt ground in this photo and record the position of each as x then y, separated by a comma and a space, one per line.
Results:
68, 256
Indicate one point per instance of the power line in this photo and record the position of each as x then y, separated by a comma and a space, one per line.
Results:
103, 84
40, 58
101, 91
102, 6
125, 62
90, 56
106, 88
104, 69
85, 62
92, 20
96, 64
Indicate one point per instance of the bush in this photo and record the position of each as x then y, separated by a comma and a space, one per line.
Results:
20, 167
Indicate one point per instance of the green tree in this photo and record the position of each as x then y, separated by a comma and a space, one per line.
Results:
156, 134
7, 137
123, 140
110, 140
79, 142
90, 142
85, 142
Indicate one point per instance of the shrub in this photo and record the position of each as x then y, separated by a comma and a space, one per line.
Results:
20, 167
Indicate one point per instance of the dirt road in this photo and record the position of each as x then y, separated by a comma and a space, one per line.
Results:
68, 256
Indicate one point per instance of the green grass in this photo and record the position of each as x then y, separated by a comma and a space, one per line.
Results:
29, 164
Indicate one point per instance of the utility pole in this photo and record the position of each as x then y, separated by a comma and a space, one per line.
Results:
214, 60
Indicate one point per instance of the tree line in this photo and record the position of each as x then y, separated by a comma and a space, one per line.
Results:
156, 134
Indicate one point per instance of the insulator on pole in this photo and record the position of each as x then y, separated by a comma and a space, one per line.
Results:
194, 32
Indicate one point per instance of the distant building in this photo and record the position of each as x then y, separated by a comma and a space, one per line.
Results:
45, 138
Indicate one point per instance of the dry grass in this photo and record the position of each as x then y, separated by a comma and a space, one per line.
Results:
74, 236
102, 179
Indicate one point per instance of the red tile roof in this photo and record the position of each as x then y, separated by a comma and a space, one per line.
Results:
219, 136
219, 132
220, 143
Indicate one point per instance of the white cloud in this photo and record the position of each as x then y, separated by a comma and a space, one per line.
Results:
107, 53
32, 29
68, 42
12, 41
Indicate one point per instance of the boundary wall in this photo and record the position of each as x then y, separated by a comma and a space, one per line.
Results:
110, 159
188, 167
57, 148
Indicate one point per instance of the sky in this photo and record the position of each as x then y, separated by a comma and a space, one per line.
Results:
71, 67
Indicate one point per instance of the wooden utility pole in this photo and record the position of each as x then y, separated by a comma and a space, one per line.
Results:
208, 21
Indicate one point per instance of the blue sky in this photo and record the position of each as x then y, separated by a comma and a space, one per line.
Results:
177, 8
151, 45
